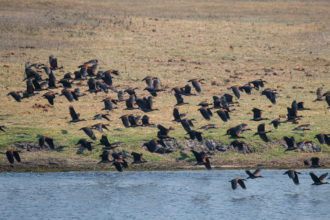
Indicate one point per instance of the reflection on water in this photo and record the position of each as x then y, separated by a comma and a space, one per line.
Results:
162, 195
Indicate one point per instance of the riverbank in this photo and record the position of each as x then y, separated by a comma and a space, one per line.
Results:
55, 165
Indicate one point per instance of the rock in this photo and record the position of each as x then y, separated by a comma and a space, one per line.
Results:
29, 146
309, 147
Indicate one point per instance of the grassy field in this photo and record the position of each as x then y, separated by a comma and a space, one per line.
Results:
225, 42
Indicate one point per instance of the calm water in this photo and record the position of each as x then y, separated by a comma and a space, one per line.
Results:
161, 195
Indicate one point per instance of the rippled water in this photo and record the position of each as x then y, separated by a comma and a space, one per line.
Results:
162, 195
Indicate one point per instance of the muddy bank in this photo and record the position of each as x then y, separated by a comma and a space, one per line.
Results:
63, 166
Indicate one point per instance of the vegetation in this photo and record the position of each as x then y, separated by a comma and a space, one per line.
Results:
225, 42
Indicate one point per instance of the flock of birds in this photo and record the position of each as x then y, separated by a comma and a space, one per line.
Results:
293, 174
102, 81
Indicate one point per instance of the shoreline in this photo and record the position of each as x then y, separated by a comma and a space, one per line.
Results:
150, 166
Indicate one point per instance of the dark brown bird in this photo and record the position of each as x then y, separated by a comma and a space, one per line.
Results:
238, 144
187, 124
193, 134
253, 175
327, 98
206, 113
246, 88
270, 94
293, 175
13, 155
89, 132
257, 83
318, 180
152, 145
301, 107
179, 99
235, 90
2, 128
107, 145
100, 116
202, 159
257, 115
146, 121
85, 144
196, 84
163, 132
208, 126
74, 115
318, 95
223, 114
239, 181
50, 96
130, 102
134, 120
124, 119
48, 140
15, 95
235, 132
262, 133
323, 138
53, 63
99, 127
291, 143
304, 127
69, 95
105, 157
137, 158
177, 116
275, 123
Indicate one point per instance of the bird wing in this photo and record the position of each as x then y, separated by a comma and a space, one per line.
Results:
261, 128
295, 178
241, 183
256, 172
249, 173
314, 178
73, 113
263, 137
10, 157
233, 184
323, 176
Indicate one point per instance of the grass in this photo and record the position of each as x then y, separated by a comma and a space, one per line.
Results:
226, 42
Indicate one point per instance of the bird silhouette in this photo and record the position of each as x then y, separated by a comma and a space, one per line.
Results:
254, 175
239, 181
318, 180
293, 175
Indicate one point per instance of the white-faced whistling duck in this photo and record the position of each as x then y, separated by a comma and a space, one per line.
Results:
177, 116
193, 134
238, 144
99, 127
235, 90
137, 158
88, 131
179, 99
146, 121
105, 157
107, 145
134, 120
318, 180
2, 128
275, 123
68, 95
53, 63
15, 95
196, 84
208, 126
301, 106
48, 140
293, 175
246, 88
152, 144
262, 133
100, 116
130, 102
50, 96
85, 144
187, 124
257, 115
323, 138
253, 175
124, 119
13, 155
318, 94
291, 143
257, 83
239, 181
206, 112
223, 114
304, 127
163, 132
202, 159
271, 95
74, 115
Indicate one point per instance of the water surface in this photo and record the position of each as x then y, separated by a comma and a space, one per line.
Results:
161, 195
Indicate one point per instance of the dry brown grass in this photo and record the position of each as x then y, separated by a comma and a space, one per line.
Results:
175, 41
